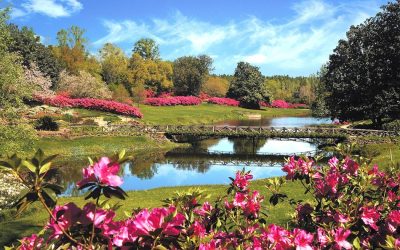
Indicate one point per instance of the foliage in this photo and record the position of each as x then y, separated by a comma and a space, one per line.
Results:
40, 83
190, 73
16, 138
120, 94
139, 93
293, 89
172, 101
153, 74
71, 52
248, 86
27, 45
46, 123
114, 65
393, 125
215, 86
91, 103
353, 207
223, 101
147, 49
82, 85
362, 74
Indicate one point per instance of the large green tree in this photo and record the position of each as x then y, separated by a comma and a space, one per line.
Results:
147, 48
190, 73
362, 78
27, 44
248, 86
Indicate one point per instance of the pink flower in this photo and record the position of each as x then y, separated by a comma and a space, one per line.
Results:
350, 166
32, 242
242, 180
103, 172
100, 216
66, 216
370, 216
198, 229
204, 210
278, 236
340, 218
302, 239
322, 238
393, 220
340, 238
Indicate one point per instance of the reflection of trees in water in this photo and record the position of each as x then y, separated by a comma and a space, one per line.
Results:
143, 166
248, 145
192, 164
204, 144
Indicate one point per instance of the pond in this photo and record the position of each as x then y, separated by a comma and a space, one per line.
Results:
211, 161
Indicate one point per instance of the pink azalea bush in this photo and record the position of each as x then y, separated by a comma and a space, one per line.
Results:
283, 104
173, 101
352, 207
90, 103
224, 101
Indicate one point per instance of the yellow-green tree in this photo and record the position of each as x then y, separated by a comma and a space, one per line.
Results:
114, 65
215, 86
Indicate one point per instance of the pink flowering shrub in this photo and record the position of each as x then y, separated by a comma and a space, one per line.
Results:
352, 207
91, 103
283, 105
173, 101
224, 101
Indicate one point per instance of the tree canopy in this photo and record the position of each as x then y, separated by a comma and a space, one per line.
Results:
248, 86
147, 48
190, 73
362, 77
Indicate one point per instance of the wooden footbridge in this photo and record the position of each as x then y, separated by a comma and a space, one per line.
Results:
206, 131
269, 132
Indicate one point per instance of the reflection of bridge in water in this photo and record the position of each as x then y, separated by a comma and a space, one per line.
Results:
201, 156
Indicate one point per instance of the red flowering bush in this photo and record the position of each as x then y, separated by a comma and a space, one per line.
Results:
173, 101
224, 101
353, 207
91, 103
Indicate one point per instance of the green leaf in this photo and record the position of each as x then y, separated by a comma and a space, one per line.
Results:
160, 247
6, 164
45, 168
121, 154
30, 166
356, 243
49, 159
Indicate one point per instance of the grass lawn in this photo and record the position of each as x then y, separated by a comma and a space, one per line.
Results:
201, 114
384, 154
33, 220
98, 145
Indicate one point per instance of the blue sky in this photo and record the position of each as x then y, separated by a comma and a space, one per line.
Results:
279, 36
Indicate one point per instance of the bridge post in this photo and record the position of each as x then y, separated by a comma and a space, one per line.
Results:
213, 129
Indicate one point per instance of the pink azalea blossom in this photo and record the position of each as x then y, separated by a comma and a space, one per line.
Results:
242, 180
340, 238
302, 239
104, 172
32, 242
370, 216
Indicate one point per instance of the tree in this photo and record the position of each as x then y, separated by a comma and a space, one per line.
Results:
362, 77
248, 86
154, 75
40, 83
114, 65
27, 44
139, 93
71, 52
215, 86
83, 85
147, 49
190, 73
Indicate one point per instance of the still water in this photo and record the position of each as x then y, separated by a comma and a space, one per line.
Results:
210, 161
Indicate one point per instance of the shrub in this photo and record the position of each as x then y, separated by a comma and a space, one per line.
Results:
224, 101
121, 94
215, 86
393, 126
352, 206
91, 103
83, 85
173, 101
46, 123
283, 105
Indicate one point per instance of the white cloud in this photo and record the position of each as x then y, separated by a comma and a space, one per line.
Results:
51, 8
299, 45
